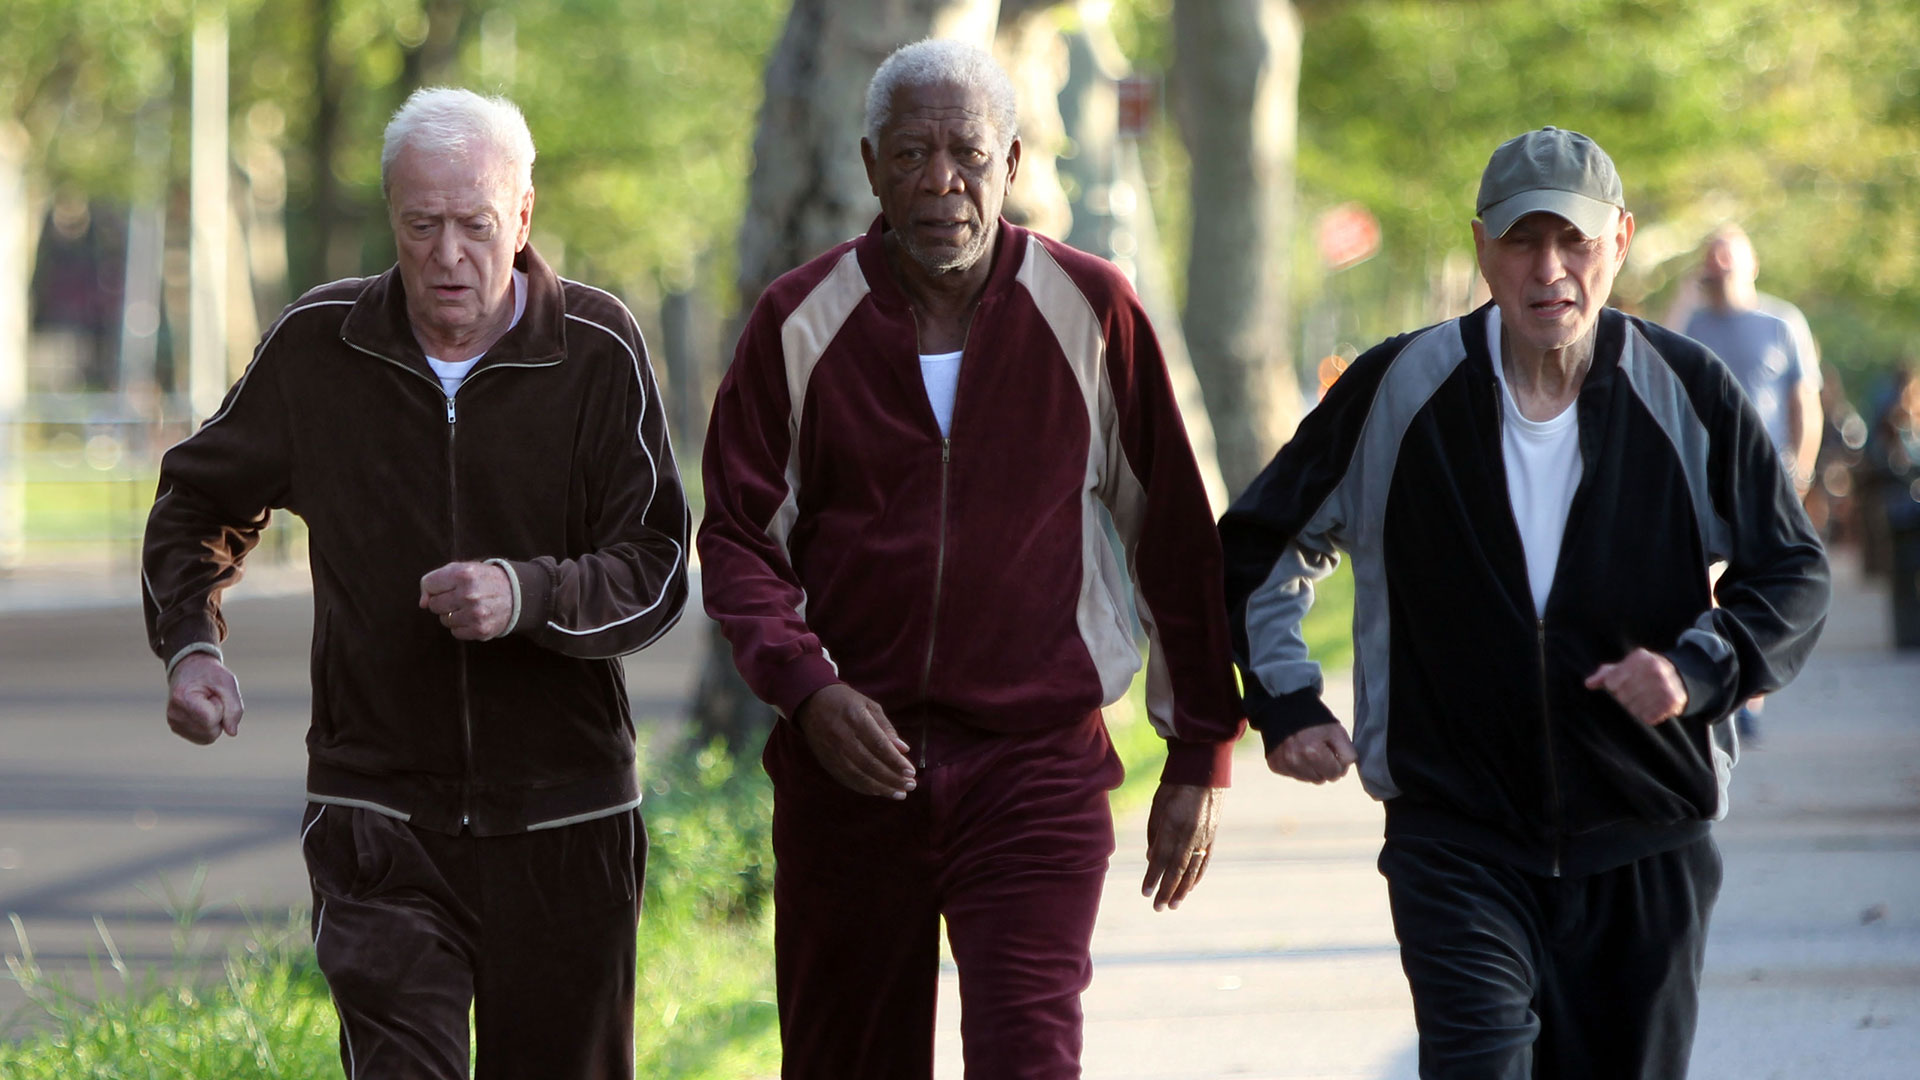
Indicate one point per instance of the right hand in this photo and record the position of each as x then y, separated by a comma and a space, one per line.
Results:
1316, 754
203, 699
855, 743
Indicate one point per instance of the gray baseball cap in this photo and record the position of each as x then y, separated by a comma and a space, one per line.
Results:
1559, 172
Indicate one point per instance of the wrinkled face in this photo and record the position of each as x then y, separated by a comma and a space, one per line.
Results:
1550, 280
457, 225
940, 175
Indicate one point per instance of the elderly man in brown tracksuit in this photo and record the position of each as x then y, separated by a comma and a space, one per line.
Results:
481, 459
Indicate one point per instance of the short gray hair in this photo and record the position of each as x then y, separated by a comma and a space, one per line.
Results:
937, 61
447, 120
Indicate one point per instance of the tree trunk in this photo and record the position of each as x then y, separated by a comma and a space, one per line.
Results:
1237, 76
808, 192
1112, 218
16, 263
335, 250
1029, 46
431, 61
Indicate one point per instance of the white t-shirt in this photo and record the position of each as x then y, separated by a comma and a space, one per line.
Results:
941, 373
455, 373
1543, 468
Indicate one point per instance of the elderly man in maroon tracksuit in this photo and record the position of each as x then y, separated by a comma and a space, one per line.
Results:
915, 472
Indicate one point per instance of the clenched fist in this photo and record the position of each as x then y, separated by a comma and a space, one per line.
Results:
474, 600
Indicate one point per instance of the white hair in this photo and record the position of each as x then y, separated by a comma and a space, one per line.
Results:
936, 62
446, 120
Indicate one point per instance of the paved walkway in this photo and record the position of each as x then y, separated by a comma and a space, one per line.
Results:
1282, 965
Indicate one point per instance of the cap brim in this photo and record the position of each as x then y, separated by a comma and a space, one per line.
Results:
1591, 216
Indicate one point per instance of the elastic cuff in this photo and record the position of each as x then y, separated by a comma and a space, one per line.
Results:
1199, 763
1278, 718
197, 647
798, 681
513, 582
533, 584
1709, 684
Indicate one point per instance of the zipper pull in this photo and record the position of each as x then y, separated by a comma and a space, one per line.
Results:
450, 410
946, 445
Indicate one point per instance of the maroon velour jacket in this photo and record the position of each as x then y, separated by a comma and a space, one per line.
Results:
992, 575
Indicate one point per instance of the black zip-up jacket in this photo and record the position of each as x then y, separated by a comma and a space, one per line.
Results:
1472, 720
551, 459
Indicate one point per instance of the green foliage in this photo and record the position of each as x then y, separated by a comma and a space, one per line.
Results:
267, 1014
709, 822
74, 72
1796, 119
642, 112
1328, 631
704, 1006
1799, 120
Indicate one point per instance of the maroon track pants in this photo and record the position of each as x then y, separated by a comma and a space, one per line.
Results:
534, 930
1007, 836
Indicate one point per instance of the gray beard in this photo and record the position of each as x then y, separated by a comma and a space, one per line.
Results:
957, 262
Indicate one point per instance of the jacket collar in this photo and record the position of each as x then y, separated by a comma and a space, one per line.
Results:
1609, 341
377, 323
1009, 252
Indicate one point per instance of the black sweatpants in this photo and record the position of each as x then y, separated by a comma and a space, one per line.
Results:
1516, 976
534, 931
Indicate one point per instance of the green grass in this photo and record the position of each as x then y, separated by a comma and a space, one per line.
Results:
75, 512
704, 1004
1328, 631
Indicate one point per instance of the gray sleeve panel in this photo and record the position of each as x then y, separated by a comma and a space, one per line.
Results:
1419, 370
1274, 612
1659, 389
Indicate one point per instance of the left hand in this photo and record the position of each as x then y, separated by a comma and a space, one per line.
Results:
1645, 684
1180, 832
474, 600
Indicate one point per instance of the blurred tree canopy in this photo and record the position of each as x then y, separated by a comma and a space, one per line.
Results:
641, 110
1800, 120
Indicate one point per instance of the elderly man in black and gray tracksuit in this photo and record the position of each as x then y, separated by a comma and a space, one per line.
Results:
1533, 496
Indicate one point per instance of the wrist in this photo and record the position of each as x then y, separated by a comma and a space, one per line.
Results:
198, 648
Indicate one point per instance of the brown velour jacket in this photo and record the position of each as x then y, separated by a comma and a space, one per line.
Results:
551, 459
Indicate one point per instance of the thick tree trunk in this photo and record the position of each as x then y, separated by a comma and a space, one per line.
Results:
808, 192
335, 250
1237, 76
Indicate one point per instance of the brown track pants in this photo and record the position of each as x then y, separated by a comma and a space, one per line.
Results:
534, 931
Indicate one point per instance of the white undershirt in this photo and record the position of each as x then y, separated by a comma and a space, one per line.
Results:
454, 373
941, 373
1543, 468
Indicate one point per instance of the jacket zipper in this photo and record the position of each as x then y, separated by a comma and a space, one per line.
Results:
453, 516
466, 712
940, 550
1553, 764
939, 573
1556, 811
